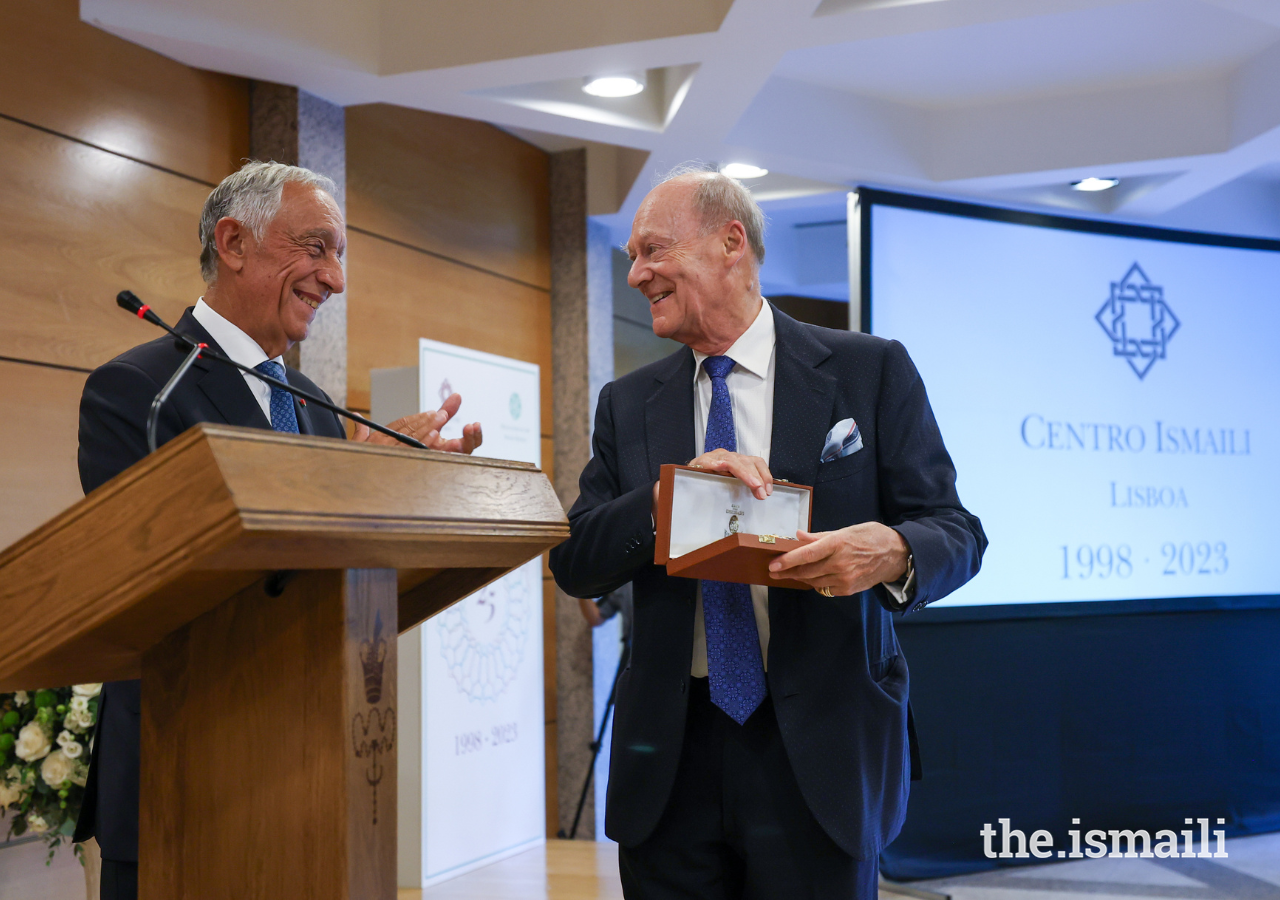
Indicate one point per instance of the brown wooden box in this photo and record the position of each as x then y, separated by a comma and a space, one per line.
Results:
695, 501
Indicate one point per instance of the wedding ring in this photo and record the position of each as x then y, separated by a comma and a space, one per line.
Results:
825, 591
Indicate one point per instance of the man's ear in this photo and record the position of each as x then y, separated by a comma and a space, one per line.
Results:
232, 240
735, 243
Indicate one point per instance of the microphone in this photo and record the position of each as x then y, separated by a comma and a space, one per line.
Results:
129, 301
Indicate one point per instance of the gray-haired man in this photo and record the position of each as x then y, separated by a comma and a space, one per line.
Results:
272, 240
760, 747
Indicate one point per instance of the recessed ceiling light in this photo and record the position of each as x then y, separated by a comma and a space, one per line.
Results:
743, 170
1095, 184
614, 85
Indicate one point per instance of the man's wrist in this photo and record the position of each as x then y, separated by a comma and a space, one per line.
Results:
902, 588
900, 558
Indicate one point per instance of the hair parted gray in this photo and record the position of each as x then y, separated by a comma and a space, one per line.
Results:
251, 196
719, 200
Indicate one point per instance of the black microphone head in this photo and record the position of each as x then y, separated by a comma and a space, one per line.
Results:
128, 300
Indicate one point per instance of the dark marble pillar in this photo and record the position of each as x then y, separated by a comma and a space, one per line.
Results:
291, 126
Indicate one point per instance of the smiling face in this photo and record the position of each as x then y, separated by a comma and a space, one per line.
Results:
271, 289
699, 286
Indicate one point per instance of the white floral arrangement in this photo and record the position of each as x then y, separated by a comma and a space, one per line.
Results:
45, 737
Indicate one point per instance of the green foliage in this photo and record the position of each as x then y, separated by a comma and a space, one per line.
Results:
45, 738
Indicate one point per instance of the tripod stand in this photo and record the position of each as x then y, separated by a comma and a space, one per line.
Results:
623, 658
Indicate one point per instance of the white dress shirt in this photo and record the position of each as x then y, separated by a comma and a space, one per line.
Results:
751, 397
750, 384
240, 347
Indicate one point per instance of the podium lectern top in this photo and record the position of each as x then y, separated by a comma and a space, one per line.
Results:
219, 507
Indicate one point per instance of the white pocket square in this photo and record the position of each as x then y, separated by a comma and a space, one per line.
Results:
843, 440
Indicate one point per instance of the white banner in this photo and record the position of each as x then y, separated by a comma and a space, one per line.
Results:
478, 773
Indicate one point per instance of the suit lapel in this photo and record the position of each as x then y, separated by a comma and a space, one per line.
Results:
223, 385
301, 411
668, 414
803, 398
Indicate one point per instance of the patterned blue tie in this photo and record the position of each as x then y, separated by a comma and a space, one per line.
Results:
283, 416
734, 665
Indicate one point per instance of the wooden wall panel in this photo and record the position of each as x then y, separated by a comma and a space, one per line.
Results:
77, 224
450, 239
460, 188
549, 458
398, 295
38, 455
62, 74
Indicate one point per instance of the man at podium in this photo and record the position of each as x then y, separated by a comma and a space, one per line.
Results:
761, 742
272, 243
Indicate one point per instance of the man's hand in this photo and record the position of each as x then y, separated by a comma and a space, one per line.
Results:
590, 612
846, 561
750, 470
426, 427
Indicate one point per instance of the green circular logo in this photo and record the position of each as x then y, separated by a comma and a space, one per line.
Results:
516, 406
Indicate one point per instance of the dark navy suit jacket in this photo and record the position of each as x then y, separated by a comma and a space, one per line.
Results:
113, 421
835, 671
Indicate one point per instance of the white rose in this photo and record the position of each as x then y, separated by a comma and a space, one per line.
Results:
10, 794
86, 690
36, 825
57, 769
78, 722
70, 746
21, 698
33, 742
80, 773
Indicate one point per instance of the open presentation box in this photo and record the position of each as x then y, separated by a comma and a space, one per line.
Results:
710, 526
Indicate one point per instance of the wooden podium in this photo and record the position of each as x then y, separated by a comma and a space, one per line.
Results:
256, 582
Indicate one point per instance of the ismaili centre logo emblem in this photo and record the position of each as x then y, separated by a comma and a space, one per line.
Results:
1138, 321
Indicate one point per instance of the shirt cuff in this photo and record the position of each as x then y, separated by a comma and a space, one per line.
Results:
904, 589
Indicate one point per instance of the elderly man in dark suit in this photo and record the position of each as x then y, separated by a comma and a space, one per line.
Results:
272, 241
761, 744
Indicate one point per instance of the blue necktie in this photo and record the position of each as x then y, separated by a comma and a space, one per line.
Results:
283, 416
734, 665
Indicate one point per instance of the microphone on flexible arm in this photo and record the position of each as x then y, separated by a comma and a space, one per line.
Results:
129, 301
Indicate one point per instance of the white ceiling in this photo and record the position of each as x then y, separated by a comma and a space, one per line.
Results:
1076, 51
1002, 100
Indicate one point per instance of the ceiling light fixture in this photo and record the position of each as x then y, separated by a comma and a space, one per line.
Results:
743, 170
614, 85
1095, 184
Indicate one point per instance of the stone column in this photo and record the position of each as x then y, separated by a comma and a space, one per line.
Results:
291, 126
581, 364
